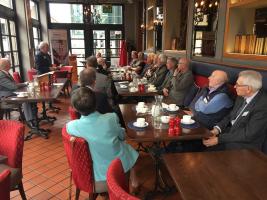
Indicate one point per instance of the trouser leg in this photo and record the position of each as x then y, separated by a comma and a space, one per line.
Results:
27, 109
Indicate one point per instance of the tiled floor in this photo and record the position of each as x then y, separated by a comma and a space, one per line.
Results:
46, 172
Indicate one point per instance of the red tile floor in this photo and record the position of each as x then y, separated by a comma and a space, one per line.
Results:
46, 172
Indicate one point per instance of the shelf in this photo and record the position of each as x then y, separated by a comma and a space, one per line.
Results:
246, 56
248, 4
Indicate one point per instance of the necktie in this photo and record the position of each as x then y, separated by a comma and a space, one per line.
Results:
239, 112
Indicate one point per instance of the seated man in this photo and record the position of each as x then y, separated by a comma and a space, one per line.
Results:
8, 86
104, 135
158, 76
181, 82
140, 64
103, 82
245, 127
134, 56
212, 103
102, 66
88, 79
171, 66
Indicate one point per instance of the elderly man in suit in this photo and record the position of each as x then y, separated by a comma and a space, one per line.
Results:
103, 82
159, 75
245, 127
181, 81
8, 86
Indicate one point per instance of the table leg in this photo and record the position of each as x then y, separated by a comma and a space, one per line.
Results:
36, 128
45, 116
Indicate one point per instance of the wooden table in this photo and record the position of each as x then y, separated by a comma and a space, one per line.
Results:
156, 136
239, 174
153, 135
34, 98
124, 92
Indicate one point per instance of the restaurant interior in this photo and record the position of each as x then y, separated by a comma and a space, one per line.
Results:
133, 99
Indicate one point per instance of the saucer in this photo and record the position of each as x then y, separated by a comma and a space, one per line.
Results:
188, 123
170, 110
135, 124
123, 86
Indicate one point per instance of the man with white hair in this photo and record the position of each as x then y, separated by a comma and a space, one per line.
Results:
212, 103
160, 73
8, 86
245, 126
43, 62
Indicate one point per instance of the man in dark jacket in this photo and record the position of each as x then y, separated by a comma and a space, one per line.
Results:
212, 103
245, 127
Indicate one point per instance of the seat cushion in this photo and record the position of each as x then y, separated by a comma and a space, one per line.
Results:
16, 175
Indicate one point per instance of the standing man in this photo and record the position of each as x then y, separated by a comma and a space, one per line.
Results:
43, 62
181, 82
245, 127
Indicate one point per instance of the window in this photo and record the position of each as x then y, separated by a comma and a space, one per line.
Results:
7, 3
77, 45
9, 47
106, 14
34, 10
73, 13
36, 38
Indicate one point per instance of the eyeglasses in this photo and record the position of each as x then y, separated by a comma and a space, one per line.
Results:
237, 85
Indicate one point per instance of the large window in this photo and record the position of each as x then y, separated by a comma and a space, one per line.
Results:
106, 14
77, 45
7, 3
9, 47
36, 25
66, 13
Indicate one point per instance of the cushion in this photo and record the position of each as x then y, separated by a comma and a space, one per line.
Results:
191, 94
201, 81
16, 175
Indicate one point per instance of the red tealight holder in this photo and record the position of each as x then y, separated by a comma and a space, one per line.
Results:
177, 130
177, 121
171, 132
141, 88
171, 122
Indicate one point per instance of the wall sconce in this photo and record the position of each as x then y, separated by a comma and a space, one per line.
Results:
143, 27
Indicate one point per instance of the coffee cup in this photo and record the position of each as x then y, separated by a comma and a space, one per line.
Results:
141, 104
140, 122
172, 106
165, 119
187, 118
132, 89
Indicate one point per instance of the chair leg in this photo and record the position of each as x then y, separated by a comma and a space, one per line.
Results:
93, 196
77, 194
21, 191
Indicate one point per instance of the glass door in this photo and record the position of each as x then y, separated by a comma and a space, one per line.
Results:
107, 42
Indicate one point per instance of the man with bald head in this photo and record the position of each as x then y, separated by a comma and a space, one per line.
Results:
8, 86
212, 103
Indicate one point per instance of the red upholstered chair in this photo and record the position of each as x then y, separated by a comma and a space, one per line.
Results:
17, 77
31, 73
5, 184
201, 81
69, 70
11, 146
118, 188
73, 113
62, 74
80, 163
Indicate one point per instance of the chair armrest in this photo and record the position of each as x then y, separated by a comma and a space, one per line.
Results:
3, 159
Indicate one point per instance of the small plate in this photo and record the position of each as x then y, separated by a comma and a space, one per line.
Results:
135, 124
188, 123
176, 109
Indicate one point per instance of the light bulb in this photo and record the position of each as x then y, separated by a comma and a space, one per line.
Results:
216, 3
210, 5
196, 4
202, 3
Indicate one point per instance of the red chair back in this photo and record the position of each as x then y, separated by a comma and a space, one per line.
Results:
80, 161
17, 77
5, 185
12, 142
73, 113
201, 81
31, 73
118, 188
68, 69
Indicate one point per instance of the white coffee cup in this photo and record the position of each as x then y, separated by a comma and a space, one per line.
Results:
132, 89
187, 118
172, 106
140, 122
165, 119
141, 104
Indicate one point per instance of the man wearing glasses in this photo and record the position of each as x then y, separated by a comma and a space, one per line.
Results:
245, 127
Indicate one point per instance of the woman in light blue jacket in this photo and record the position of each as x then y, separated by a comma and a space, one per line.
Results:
103, 133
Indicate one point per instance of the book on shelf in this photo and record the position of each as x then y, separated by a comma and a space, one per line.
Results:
250, 44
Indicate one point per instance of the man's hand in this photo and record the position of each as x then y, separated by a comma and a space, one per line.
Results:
165, 92
215, 131
177, 71
213, 140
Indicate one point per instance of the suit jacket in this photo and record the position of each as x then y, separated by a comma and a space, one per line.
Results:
179, 86
42, 62
159, 75
103, 84
167, 81
102, 104
8, 85
249, 129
